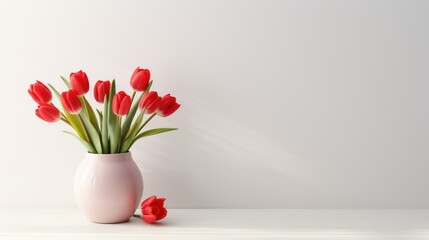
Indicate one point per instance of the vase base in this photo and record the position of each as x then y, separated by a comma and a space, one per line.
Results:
110, 222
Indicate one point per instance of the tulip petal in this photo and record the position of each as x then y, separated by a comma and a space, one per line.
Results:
167, 100
148, 201
121, 103
48, 112
71, 102
115, 104
168, 106
151, 210
149, 218
40, 93
124, 108
147, 99
153, 106
162, 214
74, 102
45, 96
155, 210
170, 110
34, 96
79, 82
101, 89
147, 210
65, 102
140, 79
159, 202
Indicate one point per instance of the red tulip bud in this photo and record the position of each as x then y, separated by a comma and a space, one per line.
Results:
101, 89
153, 209
121, 103
168, 106
150, 101
140, 79
40, 93
48, 112
71, 102
79, 83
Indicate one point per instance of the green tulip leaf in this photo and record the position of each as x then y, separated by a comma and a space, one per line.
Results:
88, 146
126, 143
113, 121
135, 127
55, 91
150, 133
90, 112
66, 82
154, 132
104, 127
129, 118
92, 133
100, 116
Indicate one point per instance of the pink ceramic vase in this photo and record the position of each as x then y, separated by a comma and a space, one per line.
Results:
108, 187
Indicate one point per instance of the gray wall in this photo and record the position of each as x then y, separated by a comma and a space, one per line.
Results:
285, 104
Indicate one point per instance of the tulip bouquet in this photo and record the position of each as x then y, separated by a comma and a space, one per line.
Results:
119, 124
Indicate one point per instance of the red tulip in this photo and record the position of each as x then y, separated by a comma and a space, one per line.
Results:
79, 83
101, 90
140, 79
40, 93
168, 106
48, 112
121, 103
150, 101
71, 102
153, 209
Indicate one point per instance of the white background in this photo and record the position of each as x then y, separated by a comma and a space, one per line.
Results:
285, 104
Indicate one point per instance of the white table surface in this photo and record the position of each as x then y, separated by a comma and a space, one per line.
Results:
221, 224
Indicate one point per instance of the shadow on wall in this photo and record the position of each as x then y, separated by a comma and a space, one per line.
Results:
215, 155
243, 149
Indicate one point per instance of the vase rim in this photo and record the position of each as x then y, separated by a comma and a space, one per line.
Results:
125, 153
109, 156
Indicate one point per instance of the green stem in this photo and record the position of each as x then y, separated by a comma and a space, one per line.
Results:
84, 129
132, 100
105, 127
89, 113
132, 96
119, 133
135, 125
65, 120
146, 122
